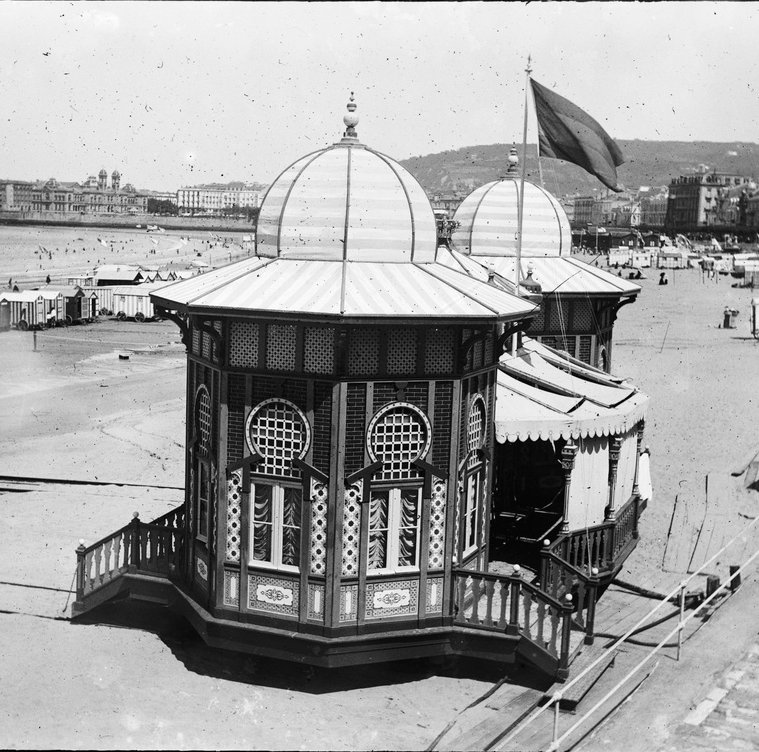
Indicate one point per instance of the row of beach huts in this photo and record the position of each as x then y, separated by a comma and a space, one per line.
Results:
738, 265
120, 291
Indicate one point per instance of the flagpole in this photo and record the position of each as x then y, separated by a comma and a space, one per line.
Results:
520, 210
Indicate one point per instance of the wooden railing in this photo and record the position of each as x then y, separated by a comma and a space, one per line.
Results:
559, 578
510, 605
153, 547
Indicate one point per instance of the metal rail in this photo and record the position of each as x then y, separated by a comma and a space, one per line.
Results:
680, 589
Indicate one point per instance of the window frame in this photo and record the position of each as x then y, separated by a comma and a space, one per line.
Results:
394, 527
277, 524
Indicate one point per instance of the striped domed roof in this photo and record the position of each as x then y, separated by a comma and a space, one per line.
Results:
347, 202
488, 219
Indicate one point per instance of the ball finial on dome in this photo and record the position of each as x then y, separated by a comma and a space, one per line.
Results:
513, 160
350, 120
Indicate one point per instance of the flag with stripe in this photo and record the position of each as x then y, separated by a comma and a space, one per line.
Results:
569, 133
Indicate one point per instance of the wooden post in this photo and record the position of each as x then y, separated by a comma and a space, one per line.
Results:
641, 426
80, 569
680, 624
566, 633
516, 587
568, 454
591, 615
614, 447
134, 564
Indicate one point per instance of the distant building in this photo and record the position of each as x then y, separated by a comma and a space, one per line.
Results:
653, 208
703, 200
93, 196
446, 202
215, 201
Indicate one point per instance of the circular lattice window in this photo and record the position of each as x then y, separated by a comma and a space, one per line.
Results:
475, 428
398, 435
203, 418
279, 432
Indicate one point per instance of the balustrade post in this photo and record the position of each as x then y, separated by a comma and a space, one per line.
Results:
516, 588
134, 564
566, 632
614, 448
591, 614
80, 569
544, 564
568, 454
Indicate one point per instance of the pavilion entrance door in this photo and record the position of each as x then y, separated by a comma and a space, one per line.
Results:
528, 500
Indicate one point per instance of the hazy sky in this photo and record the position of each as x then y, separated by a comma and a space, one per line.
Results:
178, 93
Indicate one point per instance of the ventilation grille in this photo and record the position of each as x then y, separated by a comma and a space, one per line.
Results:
363, 353
438, 354
319, 350
280, 347
243, 347
401, 351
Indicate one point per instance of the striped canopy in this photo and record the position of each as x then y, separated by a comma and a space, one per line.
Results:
488, 222
305, 288
347, 202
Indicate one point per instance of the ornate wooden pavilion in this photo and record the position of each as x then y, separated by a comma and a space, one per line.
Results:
342, 415
580, 302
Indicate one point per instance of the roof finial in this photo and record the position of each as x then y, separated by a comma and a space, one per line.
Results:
513, 160
350, 120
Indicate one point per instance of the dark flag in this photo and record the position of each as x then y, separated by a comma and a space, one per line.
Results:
569, 133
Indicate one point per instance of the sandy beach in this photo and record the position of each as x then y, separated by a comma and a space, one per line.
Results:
28, 254
74, 410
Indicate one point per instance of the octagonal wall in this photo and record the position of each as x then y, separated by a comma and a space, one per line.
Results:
335, 474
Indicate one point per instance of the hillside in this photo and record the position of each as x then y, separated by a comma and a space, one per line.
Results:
651, 163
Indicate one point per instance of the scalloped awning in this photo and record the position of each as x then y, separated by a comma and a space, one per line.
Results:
542, 395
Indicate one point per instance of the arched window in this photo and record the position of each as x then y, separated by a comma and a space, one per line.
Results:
277, 431
398, 435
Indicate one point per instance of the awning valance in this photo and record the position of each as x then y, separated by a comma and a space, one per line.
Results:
538, 399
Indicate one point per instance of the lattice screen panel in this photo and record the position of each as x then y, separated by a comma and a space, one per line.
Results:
280, 347
539, 322
475, 432
319, 501
363, 352
398, 434
351, 528
556, 315
439, 349
243, 346
401, 351
203, 418
436, 554
196, 342
319, 350
582, 316
234, 509
279, 432
206, 342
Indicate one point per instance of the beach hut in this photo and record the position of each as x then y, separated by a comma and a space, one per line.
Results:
672, 259
103, 296
55, 305
28, 309
580, 302
111, 275
5, 315
133, 301
83, 280
341, 434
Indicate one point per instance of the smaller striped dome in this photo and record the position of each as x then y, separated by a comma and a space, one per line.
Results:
488, 221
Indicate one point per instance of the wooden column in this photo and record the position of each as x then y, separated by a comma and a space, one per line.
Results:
641, 427
568, 454
615, 444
